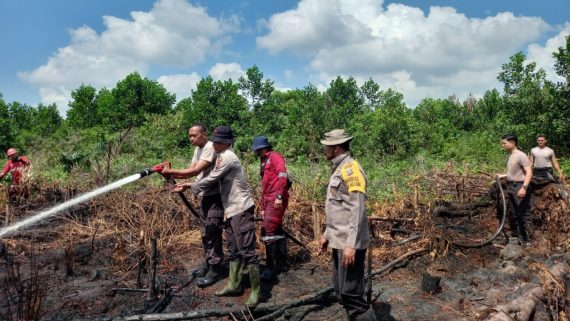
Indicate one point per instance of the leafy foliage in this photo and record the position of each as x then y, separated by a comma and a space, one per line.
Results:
133, 125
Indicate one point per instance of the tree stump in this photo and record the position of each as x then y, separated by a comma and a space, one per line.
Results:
152, 291
430, 283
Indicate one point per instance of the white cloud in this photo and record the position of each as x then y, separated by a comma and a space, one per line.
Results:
438, 53
542, 55
288, 73
180, 84
173, 33
221, 71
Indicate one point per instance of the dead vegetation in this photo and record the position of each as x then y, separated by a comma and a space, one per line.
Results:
108, 239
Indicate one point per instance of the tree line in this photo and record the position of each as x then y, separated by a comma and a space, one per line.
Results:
383, 125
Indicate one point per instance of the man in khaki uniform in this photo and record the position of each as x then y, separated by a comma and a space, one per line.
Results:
519, 174
238, 214
543, 159
346, 230
212, 223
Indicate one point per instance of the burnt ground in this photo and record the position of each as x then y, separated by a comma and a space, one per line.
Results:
472, 280
37, 281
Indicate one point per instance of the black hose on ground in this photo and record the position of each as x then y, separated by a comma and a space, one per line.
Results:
501, 226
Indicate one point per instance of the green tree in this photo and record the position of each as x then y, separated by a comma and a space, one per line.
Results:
561, 112
343, 101
254, 87
307, 123
390, 129
217, 103
370, 92
529, 98
83, 111
46, 120
134, 98
5, 128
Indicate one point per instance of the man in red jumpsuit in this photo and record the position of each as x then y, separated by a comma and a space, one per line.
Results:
15, 165
274, 200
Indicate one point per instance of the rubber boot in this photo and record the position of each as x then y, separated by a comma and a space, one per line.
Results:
200, 270
233, 287
211, 277
268, 274
366, 316
255, 281
281, 257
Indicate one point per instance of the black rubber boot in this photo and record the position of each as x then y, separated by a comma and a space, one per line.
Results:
210, 278
200, 270
281, 257
268, 274
366, 316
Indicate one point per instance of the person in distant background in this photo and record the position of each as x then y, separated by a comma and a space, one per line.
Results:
543, 159
17, 166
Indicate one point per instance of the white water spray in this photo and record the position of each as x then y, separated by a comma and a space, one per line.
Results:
54, 210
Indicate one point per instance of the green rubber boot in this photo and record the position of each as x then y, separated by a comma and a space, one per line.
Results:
255, 294
234, 280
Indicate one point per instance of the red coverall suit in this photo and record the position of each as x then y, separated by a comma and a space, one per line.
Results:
274, 182
15, 168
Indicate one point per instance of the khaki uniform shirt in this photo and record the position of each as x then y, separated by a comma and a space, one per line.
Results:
208, 154
542, 157
347, 224
515, 166
234, 188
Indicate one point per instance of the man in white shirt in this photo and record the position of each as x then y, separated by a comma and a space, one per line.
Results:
543, 159
212, 223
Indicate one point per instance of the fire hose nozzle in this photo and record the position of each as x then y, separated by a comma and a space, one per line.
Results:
146, 172
156, 168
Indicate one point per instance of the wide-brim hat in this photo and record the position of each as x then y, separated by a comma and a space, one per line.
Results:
336, 137
222, 134
260, 142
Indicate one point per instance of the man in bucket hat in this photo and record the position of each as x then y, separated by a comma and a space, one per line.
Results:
238, 213
346, 230
273, 202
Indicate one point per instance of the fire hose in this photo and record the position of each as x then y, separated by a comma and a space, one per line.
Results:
499, 229
158, 168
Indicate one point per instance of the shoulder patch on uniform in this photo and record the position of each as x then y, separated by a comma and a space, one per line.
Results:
352, 177
218, 162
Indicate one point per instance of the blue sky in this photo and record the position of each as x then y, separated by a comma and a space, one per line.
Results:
421, 48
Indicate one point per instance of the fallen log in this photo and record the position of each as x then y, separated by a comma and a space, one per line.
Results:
398, 260
191, 315
389, 219
523, 307
272, 309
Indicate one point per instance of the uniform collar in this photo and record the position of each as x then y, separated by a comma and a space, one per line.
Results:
337, 160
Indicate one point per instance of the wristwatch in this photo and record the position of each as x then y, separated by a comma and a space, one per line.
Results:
279, 197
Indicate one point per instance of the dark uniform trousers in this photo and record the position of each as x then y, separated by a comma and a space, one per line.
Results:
240, 236
349, 283
212, 227
521, 221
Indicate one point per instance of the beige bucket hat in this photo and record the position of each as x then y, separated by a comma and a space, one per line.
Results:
336, 137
